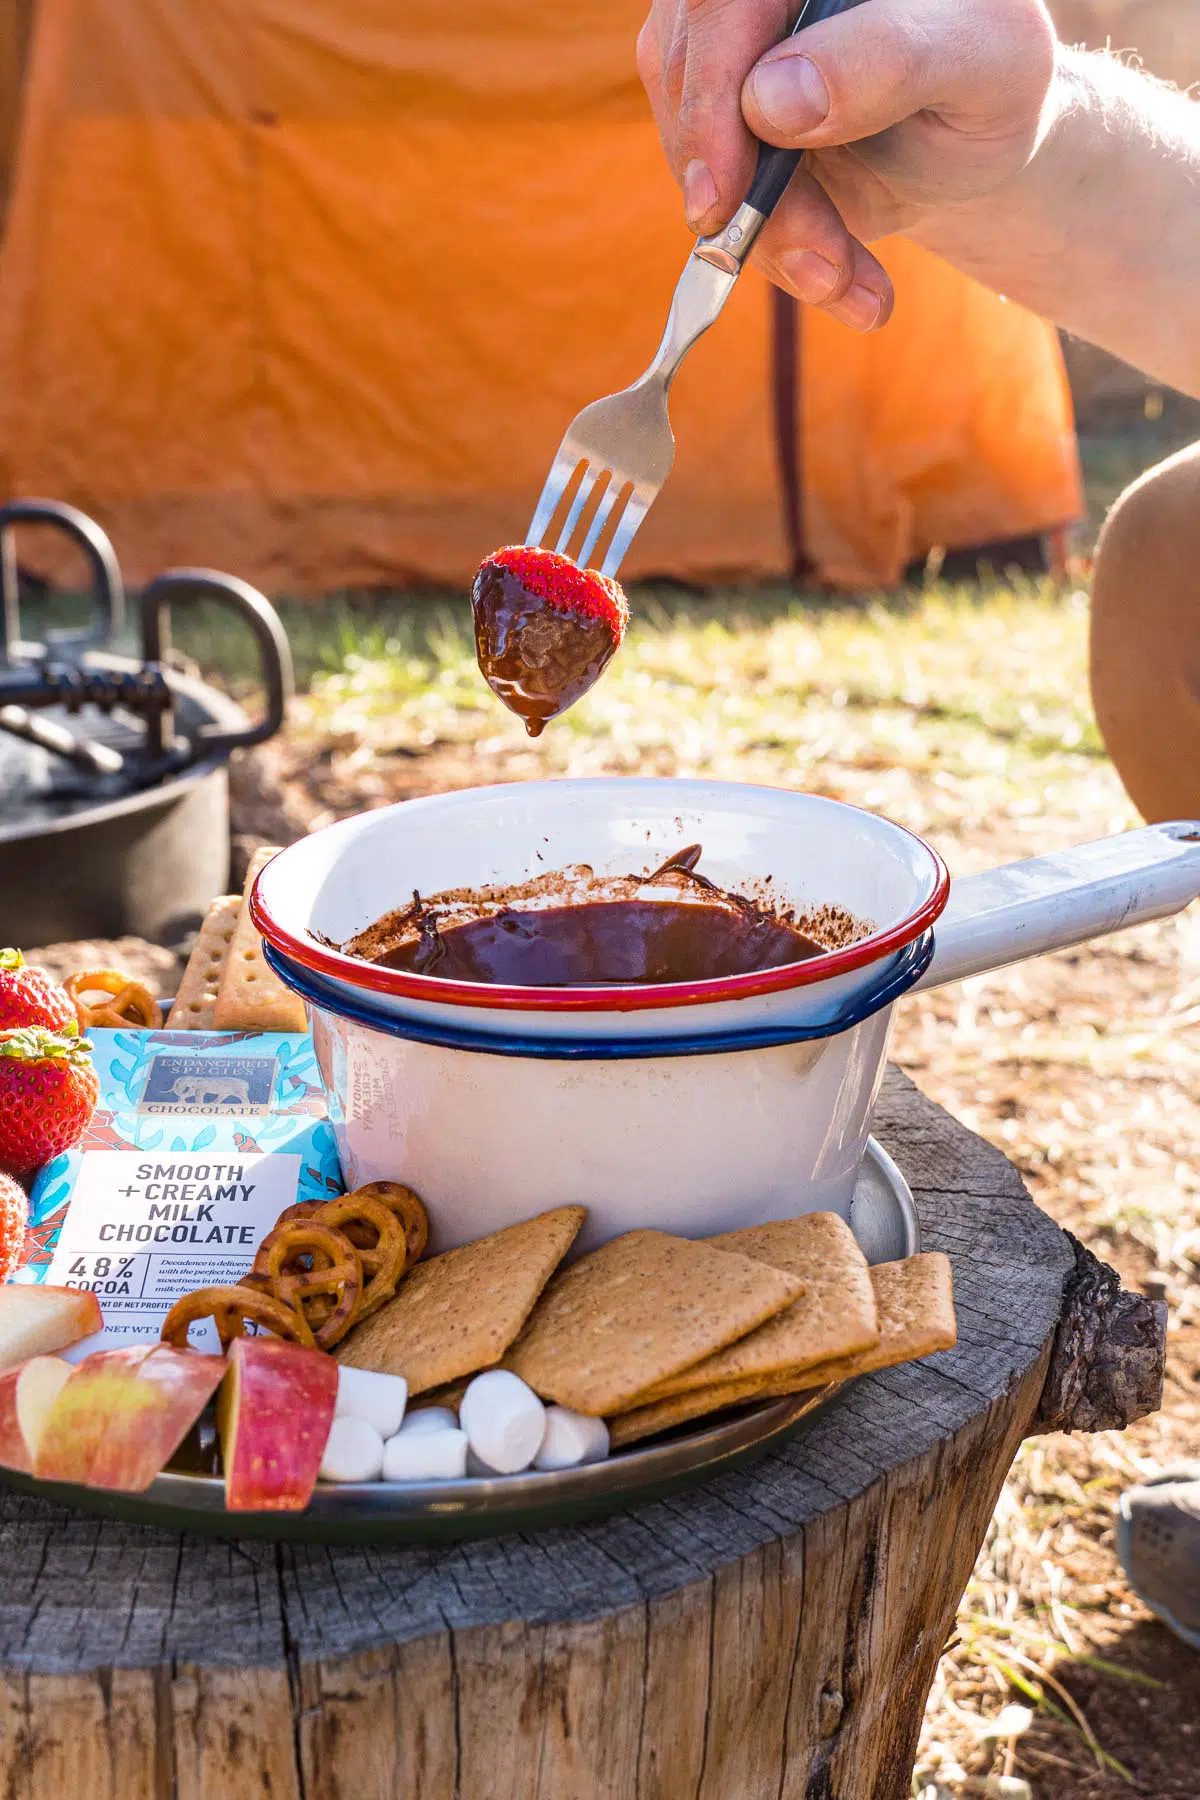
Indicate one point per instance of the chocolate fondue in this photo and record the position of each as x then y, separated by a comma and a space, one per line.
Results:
671, 926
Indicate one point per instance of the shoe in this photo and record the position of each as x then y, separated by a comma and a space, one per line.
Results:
1158, 1543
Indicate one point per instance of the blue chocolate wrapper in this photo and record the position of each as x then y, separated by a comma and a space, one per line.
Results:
226, 1095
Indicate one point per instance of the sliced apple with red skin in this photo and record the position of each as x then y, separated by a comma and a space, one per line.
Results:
274, 1415
13, 1451
37, 1320
123, 1414
27, 1397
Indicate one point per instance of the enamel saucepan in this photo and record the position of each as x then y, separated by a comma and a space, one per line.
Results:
695, 1107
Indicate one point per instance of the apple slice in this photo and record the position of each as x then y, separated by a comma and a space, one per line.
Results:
27, 1397
274, 1416
123, 1414
36, 1320
13, 1453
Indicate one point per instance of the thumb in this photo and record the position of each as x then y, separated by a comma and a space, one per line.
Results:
984, 69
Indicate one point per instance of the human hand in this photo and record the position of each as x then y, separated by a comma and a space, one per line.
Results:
906, 107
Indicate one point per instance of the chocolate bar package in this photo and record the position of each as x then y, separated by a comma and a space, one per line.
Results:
198, 1143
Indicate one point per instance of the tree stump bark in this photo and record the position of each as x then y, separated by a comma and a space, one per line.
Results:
772, 1636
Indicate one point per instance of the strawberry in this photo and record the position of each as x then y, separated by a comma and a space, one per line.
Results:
545, 629
14, 1211
31, 997
48, 1092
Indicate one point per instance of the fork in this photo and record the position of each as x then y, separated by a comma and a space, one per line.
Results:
617, 452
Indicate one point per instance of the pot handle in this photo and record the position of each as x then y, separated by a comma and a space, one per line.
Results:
1051, 902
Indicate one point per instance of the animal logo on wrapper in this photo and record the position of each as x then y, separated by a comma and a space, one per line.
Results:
174, 1085
200, 1093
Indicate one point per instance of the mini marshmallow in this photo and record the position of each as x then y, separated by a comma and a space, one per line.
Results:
366, 1394
425, 1456
504, 1421
571, 1439
478, 1468
430, 1418
353, 1451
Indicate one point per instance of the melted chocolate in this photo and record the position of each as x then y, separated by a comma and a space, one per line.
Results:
694, 932
603, 943
536, 658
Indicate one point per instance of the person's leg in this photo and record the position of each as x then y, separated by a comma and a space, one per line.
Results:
1146, 692
1145, 652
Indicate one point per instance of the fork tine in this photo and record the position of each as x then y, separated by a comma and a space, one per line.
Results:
559, 479
631, 519
609, 512
583, 494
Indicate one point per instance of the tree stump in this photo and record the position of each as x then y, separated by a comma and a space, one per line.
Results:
772, 1636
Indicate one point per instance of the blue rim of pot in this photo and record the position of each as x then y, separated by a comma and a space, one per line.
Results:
902, 973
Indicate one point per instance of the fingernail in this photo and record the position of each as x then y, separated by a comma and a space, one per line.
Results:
699, 192
812, 278
790, 94
861, 308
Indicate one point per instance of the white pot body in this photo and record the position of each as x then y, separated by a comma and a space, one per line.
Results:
687, 1144
694, 1111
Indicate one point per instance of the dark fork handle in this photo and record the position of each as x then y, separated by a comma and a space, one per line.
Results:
728, 249
776, 167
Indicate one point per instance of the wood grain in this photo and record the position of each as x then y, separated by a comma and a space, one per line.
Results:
771, 1636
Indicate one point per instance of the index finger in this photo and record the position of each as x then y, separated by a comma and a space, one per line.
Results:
714, 151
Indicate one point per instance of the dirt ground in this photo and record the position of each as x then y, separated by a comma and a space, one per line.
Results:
963, 715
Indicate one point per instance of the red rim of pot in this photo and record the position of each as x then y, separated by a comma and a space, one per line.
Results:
401, 984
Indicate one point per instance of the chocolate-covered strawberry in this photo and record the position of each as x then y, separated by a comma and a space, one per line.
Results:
48, 1091
545, 629
31, 997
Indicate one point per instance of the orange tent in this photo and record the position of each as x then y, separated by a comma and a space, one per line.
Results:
310, 290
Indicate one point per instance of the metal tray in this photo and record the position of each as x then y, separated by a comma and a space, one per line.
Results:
884, 1220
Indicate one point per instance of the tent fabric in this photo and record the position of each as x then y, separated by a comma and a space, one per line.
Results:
311, 290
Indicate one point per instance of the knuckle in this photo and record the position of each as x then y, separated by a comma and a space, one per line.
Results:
1025, 40
675, 71
649, 61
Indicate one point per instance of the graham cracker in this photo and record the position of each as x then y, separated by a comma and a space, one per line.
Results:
459, 1312
915, 1304
915, 1299
637, 1311
649, 1421
251, 996
450, 1394
834, 1317
196, 999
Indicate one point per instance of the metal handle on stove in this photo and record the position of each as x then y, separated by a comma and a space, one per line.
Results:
107, 591
186, 586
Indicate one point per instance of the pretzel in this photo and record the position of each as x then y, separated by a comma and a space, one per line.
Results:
129, 1002
383, 1260
231, 1309
317, 1271
401, 1201
303, 1209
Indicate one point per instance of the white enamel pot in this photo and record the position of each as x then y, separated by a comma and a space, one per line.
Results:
696, 1107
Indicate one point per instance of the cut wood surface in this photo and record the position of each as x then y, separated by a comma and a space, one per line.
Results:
772, 1634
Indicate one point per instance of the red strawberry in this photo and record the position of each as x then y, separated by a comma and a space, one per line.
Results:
31, 997
545, 629
14, 1210
48, 1092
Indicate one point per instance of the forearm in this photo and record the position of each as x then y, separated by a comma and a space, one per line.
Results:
1101, 231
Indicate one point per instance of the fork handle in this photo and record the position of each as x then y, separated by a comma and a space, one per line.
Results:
729, 248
